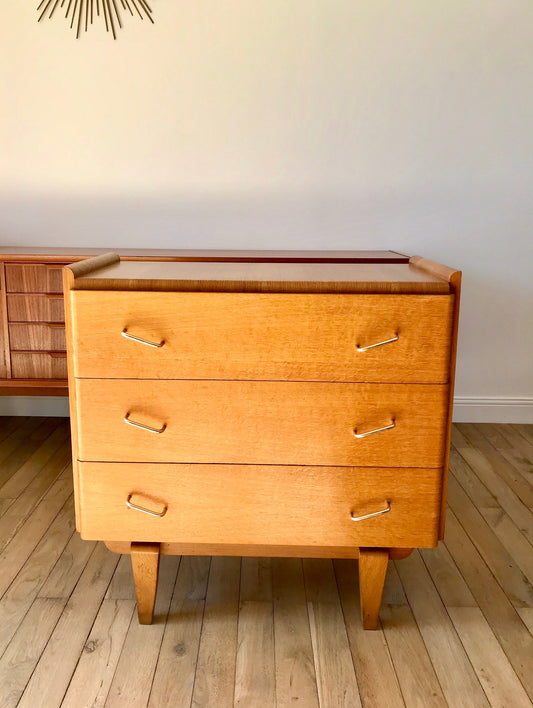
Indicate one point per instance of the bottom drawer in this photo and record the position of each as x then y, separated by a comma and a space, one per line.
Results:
39, 365
253, 504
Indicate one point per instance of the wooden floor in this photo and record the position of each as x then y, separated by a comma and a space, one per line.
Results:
456, 621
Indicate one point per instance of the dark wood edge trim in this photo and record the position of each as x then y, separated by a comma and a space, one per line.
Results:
37, 389
4, 328
82, 268
453, 277
256, 550
60, 256
436, 269
68, 282
455, 282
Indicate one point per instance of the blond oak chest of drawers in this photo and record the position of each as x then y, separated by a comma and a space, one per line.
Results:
282, 409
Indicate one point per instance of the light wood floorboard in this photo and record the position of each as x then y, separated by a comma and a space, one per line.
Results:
455, 626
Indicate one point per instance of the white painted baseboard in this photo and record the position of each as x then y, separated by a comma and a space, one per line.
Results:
466, 409
492, 409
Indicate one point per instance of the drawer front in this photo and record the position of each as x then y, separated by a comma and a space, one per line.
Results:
48, 336
38, 365
34, 278
35, 308
263, 336
264, 505
252, 422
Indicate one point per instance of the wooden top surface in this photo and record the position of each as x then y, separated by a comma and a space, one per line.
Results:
261, 277
43, 255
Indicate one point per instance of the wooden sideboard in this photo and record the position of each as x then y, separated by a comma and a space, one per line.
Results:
291, 406
32, 320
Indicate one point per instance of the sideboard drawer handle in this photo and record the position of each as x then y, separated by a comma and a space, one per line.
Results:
128, 420
379, 344
131, 505
370, 516
157, 345
372, 432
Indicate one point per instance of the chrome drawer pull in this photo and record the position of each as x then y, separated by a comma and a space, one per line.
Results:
379, 344
126, 334
144, 427
372, 432
370, 516
130, 505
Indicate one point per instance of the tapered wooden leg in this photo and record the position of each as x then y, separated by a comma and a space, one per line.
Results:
372, 570
145, 564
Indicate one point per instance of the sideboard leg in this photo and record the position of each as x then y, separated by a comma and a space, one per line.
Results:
372, 570
145, 565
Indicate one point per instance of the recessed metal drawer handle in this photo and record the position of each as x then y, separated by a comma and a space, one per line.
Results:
128, 420
157, 345
372, 432
379, 344
130, 505
370, 516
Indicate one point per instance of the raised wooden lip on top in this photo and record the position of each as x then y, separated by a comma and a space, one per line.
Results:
111, 272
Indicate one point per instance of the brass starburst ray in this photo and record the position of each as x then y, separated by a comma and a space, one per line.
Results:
81, 13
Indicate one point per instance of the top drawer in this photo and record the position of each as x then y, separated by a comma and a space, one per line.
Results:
34, 278
298, 337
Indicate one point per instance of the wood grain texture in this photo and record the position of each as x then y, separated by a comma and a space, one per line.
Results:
248, 504
77, 645
141, 648
5, 349
295, 671
262, 277
214, 683
145, 566
35, 308
257, 336
459, 682
495, 673
372, 570
503, 618
46, 336
376, 676
39, 365
83, 268
28, 253
335, 675
33, 278
52, 674
455, 279
98, 661
68, 279
33, 387
18, 661
255, 675
176, 666
261, 422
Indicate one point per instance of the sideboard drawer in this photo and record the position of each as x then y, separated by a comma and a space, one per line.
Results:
306, 337
34, 278
46, 336
39, 365
254, 422
35, 308
247, 504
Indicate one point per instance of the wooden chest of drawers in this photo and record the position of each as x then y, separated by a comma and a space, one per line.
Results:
291, 409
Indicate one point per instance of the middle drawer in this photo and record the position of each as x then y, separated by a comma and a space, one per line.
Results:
258, 422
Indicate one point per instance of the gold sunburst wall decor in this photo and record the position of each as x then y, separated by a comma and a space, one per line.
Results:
83, 13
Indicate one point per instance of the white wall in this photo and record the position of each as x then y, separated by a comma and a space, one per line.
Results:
401, 124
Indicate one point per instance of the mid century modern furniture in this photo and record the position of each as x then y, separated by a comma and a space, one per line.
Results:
282, 409
32, 319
